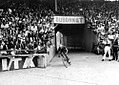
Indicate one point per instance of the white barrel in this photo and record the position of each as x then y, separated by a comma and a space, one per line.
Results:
41, 61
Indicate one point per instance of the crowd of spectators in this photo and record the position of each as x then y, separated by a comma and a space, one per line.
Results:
24, 26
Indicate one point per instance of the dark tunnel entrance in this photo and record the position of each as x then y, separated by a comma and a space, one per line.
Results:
76, 36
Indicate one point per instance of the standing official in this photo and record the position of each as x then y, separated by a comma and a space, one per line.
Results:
107, 49
115, 47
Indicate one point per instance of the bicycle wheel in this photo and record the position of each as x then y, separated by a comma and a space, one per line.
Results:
65, 61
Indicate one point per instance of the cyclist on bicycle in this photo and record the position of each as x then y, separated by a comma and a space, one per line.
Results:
62, 51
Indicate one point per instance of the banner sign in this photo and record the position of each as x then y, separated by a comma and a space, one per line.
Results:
20, 63
69, 20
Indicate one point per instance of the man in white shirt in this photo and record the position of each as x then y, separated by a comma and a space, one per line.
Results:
107, 49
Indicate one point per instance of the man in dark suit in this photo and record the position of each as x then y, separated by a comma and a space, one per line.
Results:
115, 47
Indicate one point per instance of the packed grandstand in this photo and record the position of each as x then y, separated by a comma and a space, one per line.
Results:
26, 25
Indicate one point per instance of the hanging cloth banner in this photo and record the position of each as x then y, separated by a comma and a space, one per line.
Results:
69, 20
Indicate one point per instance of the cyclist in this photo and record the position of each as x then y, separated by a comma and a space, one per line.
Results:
62, 51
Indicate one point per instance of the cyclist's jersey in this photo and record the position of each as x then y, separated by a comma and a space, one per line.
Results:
62, 49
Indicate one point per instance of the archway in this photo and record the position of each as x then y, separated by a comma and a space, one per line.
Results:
76, 36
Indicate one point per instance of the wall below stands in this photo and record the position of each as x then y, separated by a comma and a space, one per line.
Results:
52, 51
89, 39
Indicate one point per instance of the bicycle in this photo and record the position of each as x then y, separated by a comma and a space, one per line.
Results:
63, 54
